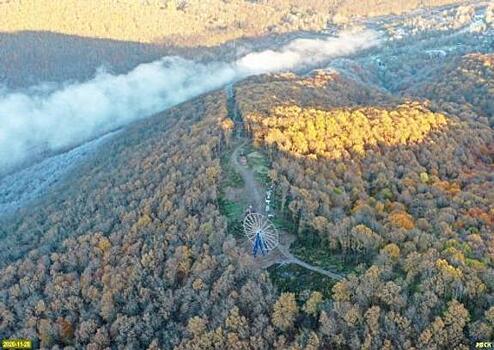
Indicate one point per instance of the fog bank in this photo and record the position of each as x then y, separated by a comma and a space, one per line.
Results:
50, 117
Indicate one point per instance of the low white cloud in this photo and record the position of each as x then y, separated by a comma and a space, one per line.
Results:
50, 117
306, 52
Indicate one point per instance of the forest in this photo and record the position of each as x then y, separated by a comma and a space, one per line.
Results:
46, 41
465, 87
382, 168
402, 191
190, 22
134, 252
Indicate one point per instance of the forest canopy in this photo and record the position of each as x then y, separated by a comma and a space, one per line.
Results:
134, 248
187, 22
342, 132
404, 192
465, 87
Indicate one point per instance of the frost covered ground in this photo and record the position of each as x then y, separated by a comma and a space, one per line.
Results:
28, 184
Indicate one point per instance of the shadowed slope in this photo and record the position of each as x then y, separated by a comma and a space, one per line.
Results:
463, 86
31, 57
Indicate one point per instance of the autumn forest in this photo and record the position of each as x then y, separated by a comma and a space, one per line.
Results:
381, 172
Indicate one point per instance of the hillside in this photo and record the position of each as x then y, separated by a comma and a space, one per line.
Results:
464, 86
45, 41
187, 22
136, 247
30, 58
134, 251
404, 193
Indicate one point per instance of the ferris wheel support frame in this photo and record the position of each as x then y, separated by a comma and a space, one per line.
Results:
261, 232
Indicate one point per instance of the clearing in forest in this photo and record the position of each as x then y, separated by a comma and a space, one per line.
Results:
253, 195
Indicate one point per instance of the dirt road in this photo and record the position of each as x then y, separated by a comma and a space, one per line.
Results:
254, 193
252, 189
291, 259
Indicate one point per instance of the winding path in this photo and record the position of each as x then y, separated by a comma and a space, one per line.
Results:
253, 191
291, 259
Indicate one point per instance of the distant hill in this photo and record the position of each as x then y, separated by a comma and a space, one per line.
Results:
463, 86
44, 40
32, 57
189, 22
29, 58
181, 22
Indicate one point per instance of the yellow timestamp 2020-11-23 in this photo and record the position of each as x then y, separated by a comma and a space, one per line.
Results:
9, 344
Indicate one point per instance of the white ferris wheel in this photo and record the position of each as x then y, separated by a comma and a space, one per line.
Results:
261, 232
